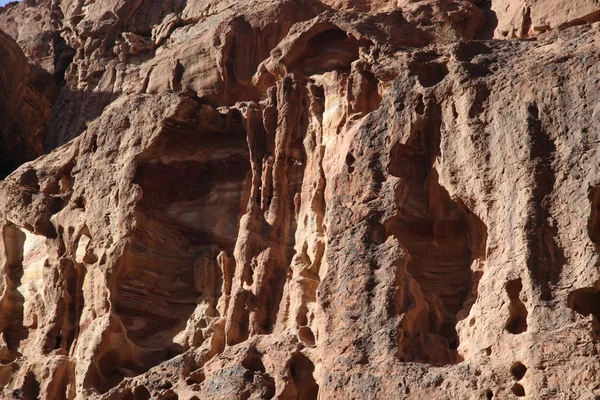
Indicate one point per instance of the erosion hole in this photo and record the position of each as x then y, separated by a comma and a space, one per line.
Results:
350, 162
429, 74
306, 336
327, 51
518, 390
302, 385
518, 370
517, 320
137, 393
585, 301
31, 387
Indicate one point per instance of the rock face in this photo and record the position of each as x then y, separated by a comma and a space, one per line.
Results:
26, 100
532, 17
299, 200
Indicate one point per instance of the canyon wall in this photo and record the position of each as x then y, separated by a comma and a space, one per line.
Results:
341, 199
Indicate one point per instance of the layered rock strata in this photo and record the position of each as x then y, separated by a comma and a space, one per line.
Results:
298, 200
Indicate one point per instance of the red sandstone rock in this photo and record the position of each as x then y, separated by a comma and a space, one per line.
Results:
533, 17
26, 96
298, 200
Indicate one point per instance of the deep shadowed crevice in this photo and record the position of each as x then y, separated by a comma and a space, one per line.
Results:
518, 370
428, 74
301, 383
63, 57
517, 320
31, 387
585, 301
442, 238
257, 381
7, 164
491, 20
332, 49
546, 258
12, 304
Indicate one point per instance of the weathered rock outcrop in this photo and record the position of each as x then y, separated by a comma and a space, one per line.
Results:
532, 17
299, 200
26, 97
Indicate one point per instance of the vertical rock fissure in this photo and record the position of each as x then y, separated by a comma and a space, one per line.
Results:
264, 262
13, 301
436, 233
546, 258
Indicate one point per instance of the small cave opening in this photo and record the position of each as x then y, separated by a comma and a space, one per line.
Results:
302, 384
585, 301
257, 380
518, 390
517, 319
350, 162
196, 377
428, 74
57, 342
137, 393
170, 395
63, 57
253, 361
306, 336
31, 387
518, 370
331, 49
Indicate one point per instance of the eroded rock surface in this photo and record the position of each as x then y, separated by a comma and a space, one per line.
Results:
299, 200
27, 94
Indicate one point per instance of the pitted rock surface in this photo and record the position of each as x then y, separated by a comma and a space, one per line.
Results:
334, 199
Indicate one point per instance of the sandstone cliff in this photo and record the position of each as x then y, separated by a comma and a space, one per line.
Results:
341, 199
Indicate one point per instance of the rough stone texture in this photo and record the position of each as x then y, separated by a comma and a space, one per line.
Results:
32, 27
526, 18
299, 200
26, 98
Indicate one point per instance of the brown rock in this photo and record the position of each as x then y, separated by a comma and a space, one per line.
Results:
298, 200
533, 17
26, 96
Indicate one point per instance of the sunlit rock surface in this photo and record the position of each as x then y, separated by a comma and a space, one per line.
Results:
299, 200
